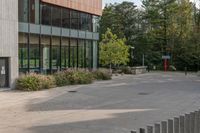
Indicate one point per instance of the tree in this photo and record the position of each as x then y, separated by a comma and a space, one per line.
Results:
160, 27
121, 19
113, 51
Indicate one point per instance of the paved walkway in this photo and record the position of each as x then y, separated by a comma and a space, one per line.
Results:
117, 106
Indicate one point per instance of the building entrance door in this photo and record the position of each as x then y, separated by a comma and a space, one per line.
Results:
4, 77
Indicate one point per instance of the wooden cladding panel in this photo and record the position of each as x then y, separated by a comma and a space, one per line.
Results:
90, 6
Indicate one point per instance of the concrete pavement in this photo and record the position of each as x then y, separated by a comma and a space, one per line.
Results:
117, 106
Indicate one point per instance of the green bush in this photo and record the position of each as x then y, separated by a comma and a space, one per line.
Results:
61, 79
126, 70
80, 77
102, 74
35, 82
73, 77
47, 81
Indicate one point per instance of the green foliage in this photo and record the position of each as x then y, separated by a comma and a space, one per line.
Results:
80, 77
162, 27
73, 77
61, 79
102, 74
34, 82
113, 50
121, 19
126, 70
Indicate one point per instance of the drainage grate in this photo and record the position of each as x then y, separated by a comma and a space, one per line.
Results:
72, 91
143, 93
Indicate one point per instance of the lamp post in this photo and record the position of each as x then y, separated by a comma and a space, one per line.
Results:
143, 59
132, 53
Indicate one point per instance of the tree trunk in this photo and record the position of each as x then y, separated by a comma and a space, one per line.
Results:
110, 68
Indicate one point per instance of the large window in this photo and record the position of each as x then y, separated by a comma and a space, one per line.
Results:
55, 53
45, 14
56, 16
45, 54
85, 22
95, 54
34, 53
74, 19
65, 18
34, 11
73, 53
95, 22
23, 52
81, 53
23, 10
89, 54
65, 53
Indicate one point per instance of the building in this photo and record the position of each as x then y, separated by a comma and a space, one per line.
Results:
45, 36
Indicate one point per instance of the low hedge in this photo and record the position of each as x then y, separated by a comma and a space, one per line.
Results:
126, 70
35, 82
102, 74
73, 77
61, 79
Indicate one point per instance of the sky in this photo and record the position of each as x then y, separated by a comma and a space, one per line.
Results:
137, 2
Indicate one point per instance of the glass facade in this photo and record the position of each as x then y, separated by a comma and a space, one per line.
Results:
23, 10
34, 56
56, 16
81, 54
45, 14
65, 53
65, 18
45, 54
85, 22
89, 54
50, 53
74, 19
36, 12
23, 52
55, 53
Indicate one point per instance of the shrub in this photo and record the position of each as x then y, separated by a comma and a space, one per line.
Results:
34, 82
80, 77
61, 79
47, 81
73, 77
126, 70
172, 68
102, 74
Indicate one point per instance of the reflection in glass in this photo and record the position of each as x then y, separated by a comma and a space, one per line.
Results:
34, 58
55, 53
45, 14
23, 10
73, 53
85, 22
56, 16
45, 54
95, 22
65, 53
88, 54
95, 51
65, 18
74, 19
81, 54
34, 11
23, 51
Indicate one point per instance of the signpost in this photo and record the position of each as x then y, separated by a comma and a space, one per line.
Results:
165, 58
